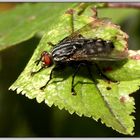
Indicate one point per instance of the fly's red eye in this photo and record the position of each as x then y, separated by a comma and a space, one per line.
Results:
46, 59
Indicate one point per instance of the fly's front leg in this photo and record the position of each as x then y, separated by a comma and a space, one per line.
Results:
51, 76
37, 63
35, 72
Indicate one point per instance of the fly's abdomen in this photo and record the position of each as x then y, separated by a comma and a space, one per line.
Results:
97, 47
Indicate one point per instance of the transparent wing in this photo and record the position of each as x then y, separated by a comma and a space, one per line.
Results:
90, 31
113, 56
94, 25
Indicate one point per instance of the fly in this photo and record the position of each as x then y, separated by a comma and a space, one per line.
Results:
79, 50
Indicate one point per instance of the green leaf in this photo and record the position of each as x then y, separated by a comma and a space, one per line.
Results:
26, 20
96, 98
120, 70
113, 13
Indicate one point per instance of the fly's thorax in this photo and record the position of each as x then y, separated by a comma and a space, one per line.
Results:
62, 51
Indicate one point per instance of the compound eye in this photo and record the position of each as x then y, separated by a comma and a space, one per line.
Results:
46, 58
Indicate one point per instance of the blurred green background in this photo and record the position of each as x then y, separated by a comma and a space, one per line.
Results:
22, 117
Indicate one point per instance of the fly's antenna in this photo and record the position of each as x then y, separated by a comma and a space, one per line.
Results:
71, 12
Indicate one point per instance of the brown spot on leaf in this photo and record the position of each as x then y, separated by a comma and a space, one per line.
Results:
124, 98
134, 55
70, 11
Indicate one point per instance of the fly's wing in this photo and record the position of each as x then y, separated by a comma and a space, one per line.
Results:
88, 28
85, 29
89, 31
80, 55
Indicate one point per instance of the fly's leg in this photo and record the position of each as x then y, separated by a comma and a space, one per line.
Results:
90, 74
73, 76
51, 44
50, 77
103, 75
37, 63
76, 71
43, 87
35, 72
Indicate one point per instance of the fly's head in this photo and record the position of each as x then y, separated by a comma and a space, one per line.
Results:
46, 59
